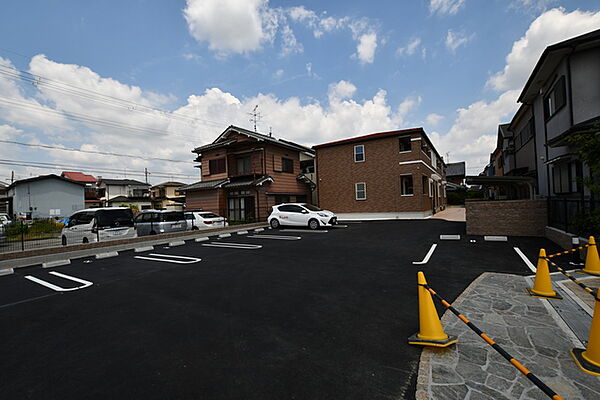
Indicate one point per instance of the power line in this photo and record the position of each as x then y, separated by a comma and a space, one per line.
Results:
115, 171
46, 146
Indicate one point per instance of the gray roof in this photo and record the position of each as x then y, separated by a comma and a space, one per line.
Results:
125, 199
123, 182
456, 169
43, 177
223, 141
204, 185
249, 181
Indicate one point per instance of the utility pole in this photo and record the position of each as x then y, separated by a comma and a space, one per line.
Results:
447, 157
146, 173
12, 177
255, 116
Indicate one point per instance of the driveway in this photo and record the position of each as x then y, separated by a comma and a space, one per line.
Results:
318, 315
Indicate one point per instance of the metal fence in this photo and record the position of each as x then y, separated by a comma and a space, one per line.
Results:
580, 217
28, 235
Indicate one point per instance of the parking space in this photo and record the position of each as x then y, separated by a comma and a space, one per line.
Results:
318, 316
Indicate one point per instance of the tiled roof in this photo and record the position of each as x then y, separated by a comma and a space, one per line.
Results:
204, 185
125, 199
78, 176
123, 182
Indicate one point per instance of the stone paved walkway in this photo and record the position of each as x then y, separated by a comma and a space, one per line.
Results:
471, 369
452, 213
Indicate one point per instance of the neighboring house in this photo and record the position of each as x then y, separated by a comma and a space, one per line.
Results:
245, 173
123, 188
455, 173
165, 196
46, 196
142, 202
91, 187
397, 174
3, 197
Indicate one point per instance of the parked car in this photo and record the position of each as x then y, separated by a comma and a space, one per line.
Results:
98, 224
4, 219
204, 220
301, 214
153, 222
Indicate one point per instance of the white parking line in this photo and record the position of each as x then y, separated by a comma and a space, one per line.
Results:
276, 237
58, 288
427, 256
525, 259
167, 257
302, 230
339, 226
243, 246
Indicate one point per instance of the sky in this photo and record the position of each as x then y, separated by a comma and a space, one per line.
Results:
136, 85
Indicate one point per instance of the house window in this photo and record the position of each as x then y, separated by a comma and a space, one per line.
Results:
405, 145
360, 190
564, 177
244, 166
281, 198
524, 135
359, 153
556, 99
406, 185
216, 166
287, 165
425, 148
424, 184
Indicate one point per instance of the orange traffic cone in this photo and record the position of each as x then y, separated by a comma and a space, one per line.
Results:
430, 332
592, 261
542, 287
589, 359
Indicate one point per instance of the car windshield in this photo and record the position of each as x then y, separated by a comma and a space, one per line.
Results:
209, 215
311, 207
114, 218
171, 216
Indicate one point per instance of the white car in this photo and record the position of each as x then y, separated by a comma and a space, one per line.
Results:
4, 219
301, 214
197, 220
98, 224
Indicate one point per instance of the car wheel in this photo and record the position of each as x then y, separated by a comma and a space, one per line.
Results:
63, 241
313, 224
85, 240
274, 223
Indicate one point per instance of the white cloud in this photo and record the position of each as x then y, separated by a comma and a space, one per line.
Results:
456, 39
434, 119
445, 7
278, 74
472, 137
290, 44
410, 48
235, 26
340, 91
549, 28
532, 5
365, 49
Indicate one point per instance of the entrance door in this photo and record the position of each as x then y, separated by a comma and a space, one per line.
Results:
240, 208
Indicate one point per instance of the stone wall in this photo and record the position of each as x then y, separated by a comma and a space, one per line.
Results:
506, 217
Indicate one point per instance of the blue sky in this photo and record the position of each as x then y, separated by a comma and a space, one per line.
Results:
319, 71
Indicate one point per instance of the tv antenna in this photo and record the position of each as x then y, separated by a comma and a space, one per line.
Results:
255, 116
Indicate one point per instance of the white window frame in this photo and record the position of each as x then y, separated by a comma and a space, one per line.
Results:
413, 186
356, 190
363, 153
431, 188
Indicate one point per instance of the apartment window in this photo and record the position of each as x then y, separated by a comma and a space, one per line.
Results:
360, 191
359, 153
405, 144
406, 185
244, 166
287, 165
524, 135
425, 148
564, 177
424, 184
216, 166
281, 198
556, 99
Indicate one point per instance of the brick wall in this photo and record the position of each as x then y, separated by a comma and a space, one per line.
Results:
509, 217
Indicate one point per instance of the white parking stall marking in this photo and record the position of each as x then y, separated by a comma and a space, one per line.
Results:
302, 230
427, 256
170, 258
58, 288
243, 246
276, 237
339, 226
525, 260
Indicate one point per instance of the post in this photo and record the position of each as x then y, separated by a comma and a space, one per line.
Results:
575, 254
22, 237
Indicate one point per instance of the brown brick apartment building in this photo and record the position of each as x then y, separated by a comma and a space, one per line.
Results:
244, 173
397, 174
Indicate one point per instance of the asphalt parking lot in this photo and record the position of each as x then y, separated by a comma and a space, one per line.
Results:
325, 316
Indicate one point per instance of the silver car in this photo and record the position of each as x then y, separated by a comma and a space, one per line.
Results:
154, 222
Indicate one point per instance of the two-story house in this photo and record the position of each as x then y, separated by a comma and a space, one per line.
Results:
245, 173
116, 192
397, 174
165, 196
92, 199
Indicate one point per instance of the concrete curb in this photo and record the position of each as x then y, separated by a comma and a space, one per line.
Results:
225, 235
7, 271
242, 232
495, 238
177, 243
449, 237
201, 239
57, 263
108, 254
143, 249
259, 230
